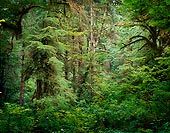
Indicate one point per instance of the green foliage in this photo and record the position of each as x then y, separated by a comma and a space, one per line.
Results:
16, 119
153, 18
44, 64
153, 13
2, 20
9, 68
74, 121
10, 10
115, 90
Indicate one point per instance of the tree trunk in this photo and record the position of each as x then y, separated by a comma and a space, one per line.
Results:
92, 47
39, 89
21, 100
66, 65
74, 65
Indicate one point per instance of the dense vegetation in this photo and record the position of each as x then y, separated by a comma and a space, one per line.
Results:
78, 66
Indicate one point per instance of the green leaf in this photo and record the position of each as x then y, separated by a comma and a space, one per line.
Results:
167, 2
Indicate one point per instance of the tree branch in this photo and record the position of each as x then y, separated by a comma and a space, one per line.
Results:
17, 27
142, 47
131, 43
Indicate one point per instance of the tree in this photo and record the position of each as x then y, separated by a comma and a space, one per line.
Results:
13, 12
44, 60
153, 18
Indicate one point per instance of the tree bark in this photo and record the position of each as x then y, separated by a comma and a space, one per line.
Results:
21, 100
92, 47
39, 89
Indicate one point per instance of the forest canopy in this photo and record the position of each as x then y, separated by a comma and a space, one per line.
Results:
79, 66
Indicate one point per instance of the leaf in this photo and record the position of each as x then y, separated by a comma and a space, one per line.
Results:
2, 20
167, 2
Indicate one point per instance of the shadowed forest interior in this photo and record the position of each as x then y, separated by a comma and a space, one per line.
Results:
84, 66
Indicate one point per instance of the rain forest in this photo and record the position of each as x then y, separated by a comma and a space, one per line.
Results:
84, 66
